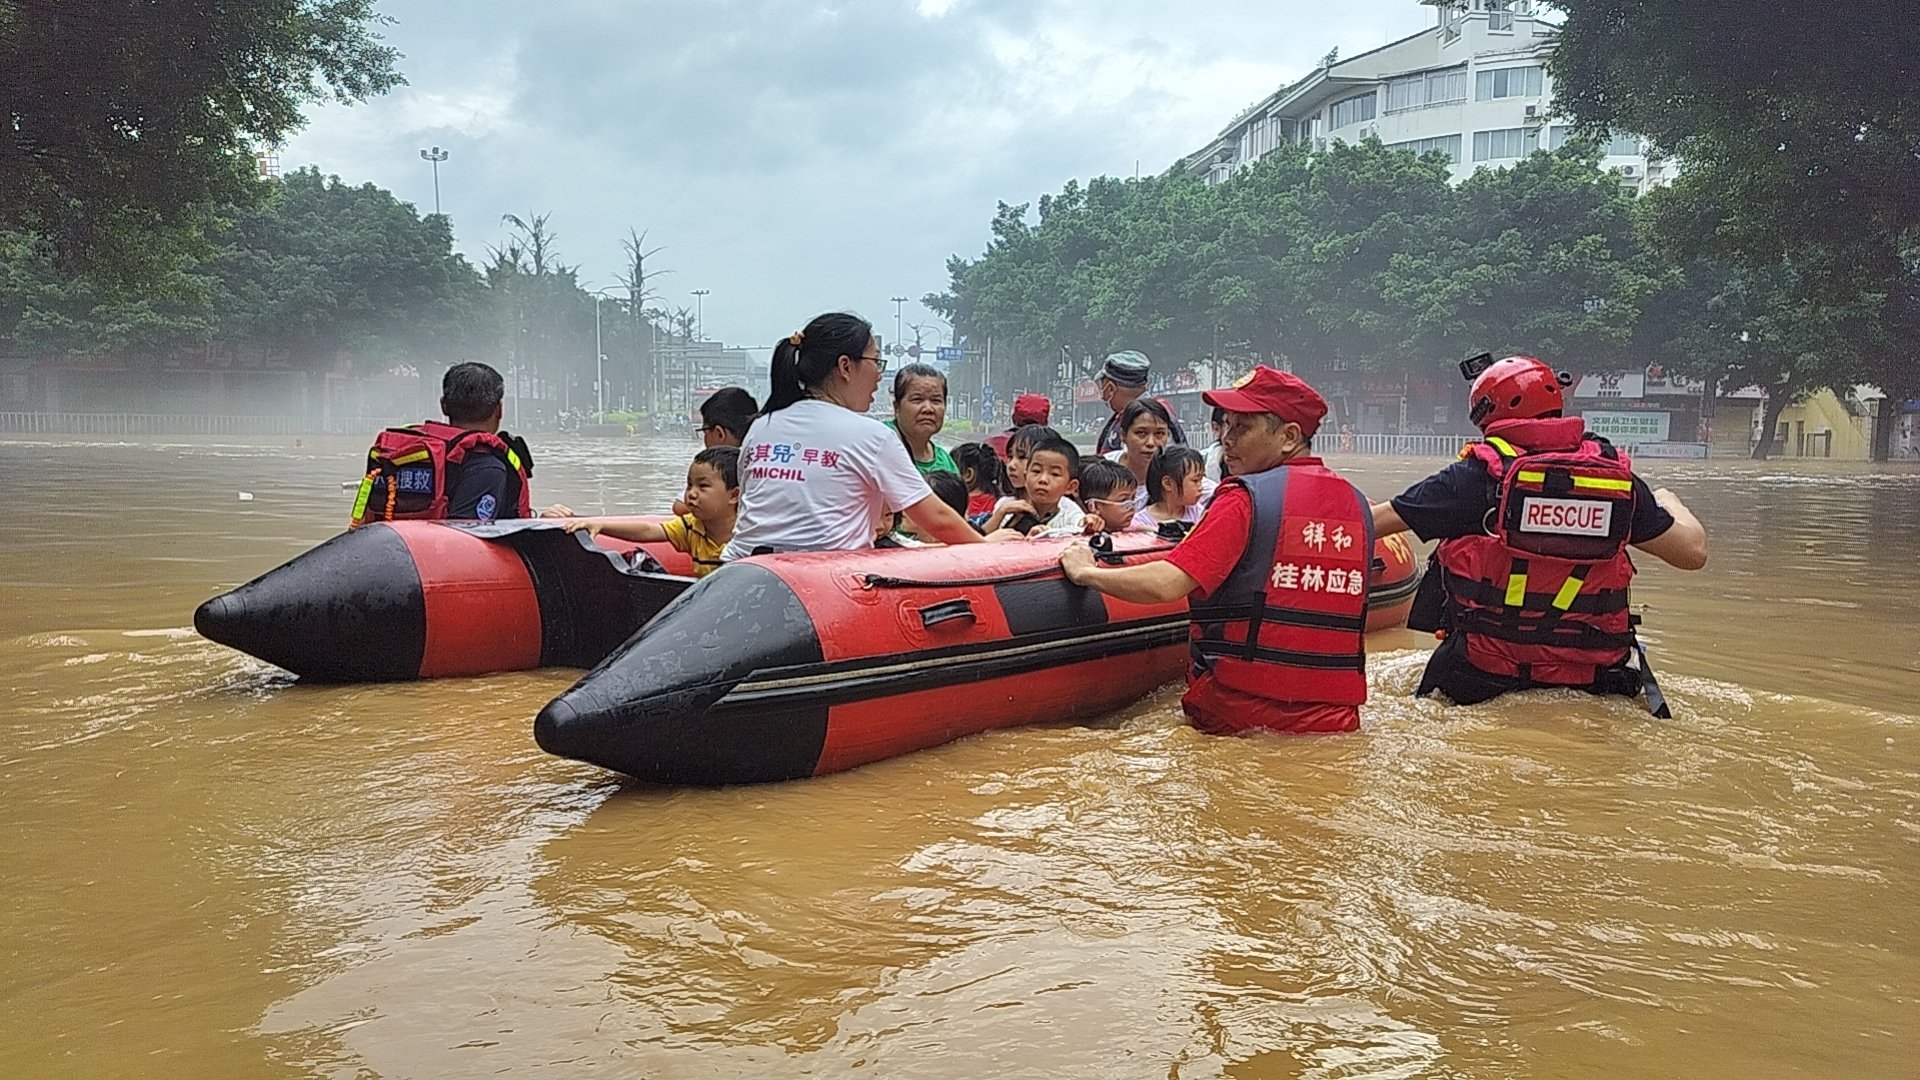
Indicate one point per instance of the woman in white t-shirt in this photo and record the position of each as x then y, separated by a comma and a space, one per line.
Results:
818, 474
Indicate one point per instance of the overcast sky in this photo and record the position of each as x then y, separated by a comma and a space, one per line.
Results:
797, 157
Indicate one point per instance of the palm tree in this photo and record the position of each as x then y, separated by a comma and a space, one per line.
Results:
640, 291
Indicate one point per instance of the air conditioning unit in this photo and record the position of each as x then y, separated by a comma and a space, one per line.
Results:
1629, 170
1533, 112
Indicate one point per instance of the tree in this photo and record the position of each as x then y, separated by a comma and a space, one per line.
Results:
1797, 127
1541, 259
552, 317
326, 267
641, 292
123, 122
1733, 325
44, 311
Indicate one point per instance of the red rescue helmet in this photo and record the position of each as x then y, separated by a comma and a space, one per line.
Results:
1517, 388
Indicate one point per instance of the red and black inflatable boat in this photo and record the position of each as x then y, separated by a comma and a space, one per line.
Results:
425, 599
785, 666
774, 668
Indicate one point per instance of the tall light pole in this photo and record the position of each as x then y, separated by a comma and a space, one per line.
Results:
599, 359
699, 313
897, 301
435, 155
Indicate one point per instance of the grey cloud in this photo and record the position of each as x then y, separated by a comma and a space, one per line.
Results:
799, 157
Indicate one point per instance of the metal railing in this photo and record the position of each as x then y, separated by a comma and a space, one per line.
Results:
1390, 445
129, 424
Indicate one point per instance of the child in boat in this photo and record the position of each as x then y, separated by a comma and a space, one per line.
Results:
1175, 477
712, 499
1106, 492
1019, 445
949, 489
1053, 478
985, 483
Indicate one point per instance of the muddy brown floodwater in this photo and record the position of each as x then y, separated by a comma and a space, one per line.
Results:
211, 871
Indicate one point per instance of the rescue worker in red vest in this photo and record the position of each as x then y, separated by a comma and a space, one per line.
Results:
1528, 586
465, 469
1276, 570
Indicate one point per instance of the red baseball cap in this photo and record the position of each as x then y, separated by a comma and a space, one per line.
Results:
1031, 409
1265, 390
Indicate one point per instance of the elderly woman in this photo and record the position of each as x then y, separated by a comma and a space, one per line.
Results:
919, 412
816, 473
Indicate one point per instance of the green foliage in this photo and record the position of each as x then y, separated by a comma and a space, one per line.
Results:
1357, 259
45, 311
1796, 126
318, 271
120, 122
324, 268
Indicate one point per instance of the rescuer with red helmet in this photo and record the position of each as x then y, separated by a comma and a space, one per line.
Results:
1528, 586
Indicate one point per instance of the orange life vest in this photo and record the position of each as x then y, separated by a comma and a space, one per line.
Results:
1542, 595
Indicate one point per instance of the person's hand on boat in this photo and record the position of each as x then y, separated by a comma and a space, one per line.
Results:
998, 536
590, 526
1076, 557
558, 510
1008, 509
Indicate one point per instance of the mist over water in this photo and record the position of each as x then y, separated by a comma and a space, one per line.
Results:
215, 871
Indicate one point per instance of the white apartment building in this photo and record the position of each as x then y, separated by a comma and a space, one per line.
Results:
1474, 87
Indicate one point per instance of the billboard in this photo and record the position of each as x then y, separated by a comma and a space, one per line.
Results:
1629, 428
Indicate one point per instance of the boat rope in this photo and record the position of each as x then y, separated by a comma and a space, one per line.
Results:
1104, 553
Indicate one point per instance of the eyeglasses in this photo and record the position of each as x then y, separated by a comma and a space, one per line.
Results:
879, 362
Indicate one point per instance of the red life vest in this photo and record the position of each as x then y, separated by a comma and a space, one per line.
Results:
1289, 624
1542, 597
407, 471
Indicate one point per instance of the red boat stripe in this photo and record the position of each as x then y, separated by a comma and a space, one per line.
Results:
482, 615
865, 731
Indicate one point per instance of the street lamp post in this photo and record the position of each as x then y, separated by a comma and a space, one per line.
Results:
599, 361
699, 313
436, 156
897, 301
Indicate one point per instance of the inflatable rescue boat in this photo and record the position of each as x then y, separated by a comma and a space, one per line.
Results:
786, 666
426, 599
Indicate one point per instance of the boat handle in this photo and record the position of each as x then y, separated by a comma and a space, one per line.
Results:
946, 611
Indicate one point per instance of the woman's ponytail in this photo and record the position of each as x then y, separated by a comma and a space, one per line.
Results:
803, 360
787, 386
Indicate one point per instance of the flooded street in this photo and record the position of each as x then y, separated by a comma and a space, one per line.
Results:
213, 872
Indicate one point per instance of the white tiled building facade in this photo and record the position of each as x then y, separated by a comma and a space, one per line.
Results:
1474, 87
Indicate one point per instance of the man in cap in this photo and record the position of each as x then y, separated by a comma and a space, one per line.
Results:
1276, 569
1027, 409
1122, 379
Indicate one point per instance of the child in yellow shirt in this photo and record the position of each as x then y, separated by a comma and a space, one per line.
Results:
712, 499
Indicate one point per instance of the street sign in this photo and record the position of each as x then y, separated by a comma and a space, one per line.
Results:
949, 354
913, 350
